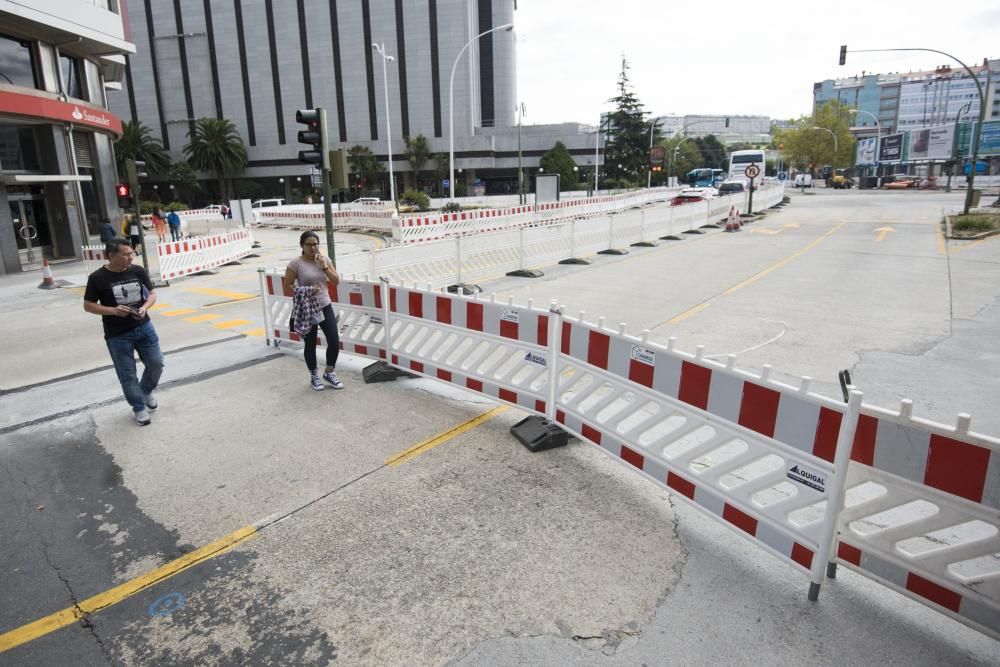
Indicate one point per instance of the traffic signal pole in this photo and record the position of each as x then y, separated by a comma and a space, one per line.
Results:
133, 180
331, 250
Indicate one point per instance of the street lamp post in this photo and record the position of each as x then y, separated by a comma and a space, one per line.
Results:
451, 105
386, 58
832, 134
975, 130
878, 135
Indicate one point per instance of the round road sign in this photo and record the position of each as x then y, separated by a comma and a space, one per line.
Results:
753, 171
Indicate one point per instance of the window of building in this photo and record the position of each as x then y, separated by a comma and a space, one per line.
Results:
17, 65
71, 77
18, 150
95, 86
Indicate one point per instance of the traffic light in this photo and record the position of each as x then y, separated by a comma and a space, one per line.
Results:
338, 169
843, 54
124, 193
657, 167
310, 136
135, 170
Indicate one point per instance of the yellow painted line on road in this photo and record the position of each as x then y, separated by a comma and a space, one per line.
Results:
231, 324
202, 318
882, 233
688, 313
226, 294
441, 438
159, 306
70, 615
973, 244
777, 265
256, 333
179, 311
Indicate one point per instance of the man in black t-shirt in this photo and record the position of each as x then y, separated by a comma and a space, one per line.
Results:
121, 294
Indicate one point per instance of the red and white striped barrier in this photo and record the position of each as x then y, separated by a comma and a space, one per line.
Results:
93, 256
193, 255
805, 477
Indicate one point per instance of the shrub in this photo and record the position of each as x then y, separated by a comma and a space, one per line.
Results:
975, 223
416, 198
451, 207
176, 206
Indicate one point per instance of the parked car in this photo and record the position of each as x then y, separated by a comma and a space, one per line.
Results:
266, 203
803, 181
688, 195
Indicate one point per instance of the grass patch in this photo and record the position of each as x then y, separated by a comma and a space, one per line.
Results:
975, 223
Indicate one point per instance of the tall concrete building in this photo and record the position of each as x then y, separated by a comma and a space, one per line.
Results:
57, 169
255, 62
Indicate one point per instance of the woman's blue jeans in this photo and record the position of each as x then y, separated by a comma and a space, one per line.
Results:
142, 339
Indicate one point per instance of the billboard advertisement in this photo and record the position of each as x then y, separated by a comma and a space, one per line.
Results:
890, 150
932, 143
989, 139
866, 152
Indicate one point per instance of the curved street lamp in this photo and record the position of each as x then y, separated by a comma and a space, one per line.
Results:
386, 58
451, 105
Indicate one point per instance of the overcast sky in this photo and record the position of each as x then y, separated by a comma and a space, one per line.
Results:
725, 57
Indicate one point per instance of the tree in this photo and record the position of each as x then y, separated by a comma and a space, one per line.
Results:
628, 132
714, 155
808, 148
215, 146
137, 143
682, 155
183, 175
364, 164
557, 160
417, 154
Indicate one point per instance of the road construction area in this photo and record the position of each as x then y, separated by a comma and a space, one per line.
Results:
257, 521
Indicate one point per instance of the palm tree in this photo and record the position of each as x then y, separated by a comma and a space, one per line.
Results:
137, 143
364, 164
417, 154
216, 146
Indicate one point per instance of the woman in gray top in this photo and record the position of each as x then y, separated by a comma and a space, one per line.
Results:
313, 271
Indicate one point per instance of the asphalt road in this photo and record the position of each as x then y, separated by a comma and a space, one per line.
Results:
326, 545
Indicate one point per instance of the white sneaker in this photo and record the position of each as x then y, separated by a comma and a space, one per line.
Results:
142, 417
334, 381
151, 401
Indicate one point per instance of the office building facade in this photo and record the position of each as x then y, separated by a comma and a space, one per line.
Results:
254, 62
57, 170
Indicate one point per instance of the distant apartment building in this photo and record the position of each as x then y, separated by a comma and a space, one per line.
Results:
57, 168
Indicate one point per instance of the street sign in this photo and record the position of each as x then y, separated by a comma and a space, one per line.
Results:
783, 176
753, 171
316, 176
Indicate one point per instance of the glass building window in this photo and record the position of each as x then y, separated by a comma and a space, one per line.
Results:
17, 66
71, 77
18, 151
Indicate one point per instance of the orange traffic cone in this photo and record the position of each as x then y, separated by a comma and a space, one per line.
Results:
48, 282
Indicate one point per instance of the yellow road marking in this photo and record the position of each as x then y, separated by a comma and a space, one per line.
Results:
754, 278
230, 324
219, 292
159, 306
202, 318
882, 233
256, 333
179, 311
70, 615
688, 313
76, 290
441, 438
762, 230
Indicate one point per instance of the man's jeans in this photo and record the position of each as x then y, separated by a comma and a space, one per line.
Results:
142, 339
175, 233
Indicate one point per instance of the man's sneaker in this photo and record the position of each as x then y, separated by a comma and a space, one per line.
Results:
142, 417
151, 401
315, 382
334, 381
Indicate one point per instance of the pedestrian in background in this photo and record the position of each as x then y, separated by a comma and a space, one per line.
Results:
160, 224
107, 230
122, 294
174, 221
132, 231
307, 278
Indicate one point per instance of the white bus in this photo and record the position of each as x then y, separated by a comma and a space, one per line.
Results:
740, 160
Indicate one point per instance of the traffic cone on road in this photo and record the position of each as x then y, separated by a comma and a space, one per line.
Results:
48, 282
732, 224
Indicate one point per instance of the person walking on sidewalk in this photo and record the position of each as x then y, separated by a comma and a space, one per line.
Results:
121, 294
307, 278
174, 221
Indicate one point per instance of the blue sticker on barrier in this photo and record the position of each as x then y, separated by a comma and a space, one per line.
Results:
166, 605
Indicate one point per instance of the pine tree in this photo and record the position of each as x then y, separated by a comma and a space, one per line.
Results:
628, 140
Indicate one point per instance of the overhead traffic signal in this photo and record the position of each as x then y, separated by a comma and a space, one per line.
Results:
135, 169
311, 136
843, 54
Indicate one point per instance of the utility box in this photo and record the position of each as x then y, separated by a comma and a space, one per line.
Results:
546, 188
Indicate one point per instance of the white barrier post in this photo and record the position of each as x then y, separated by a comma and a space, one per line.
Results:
572, 239
555, 326
266, 305
835, 502
520, 247
611, 231
642, 226
458, 255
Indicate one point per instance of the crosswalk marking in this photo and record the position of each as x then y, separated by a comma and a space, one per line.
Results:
230, 324
256, 333
159, 306
202, 318
228, 294
179, 311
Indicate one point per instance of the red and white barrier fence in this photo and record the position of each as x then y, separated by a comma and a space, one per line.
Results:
909, 503
181, 258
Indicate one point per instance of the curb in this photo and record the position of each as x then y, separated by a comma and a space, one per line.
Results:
948, 235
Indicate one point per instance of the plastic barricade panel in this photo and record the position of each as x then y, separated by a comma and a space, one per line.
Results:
922, 514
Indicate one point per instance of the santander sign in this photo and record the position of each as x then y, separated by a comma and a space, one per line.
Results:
101, 119
41, 106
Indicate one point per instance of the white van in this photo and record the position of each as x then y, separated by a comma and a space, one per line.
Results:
260, 204
803, 181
